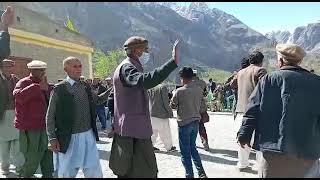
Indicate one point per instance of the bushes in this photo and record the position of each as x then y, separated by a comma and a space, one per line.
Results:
105, 64
219, 76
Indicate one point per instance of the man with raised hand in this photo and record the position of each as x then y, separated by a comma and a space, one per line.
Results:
132, 152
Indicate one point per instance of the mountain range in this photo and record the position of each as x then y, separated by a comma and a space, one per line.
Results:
210, 38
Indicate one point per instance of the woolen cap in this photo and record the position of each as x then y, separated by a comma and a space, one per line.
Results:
136, 42
35, 64
290, 52
7, 62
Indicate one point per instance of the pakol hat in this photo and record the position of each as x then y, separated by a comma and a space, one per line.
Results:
7, 63
291, 53
136, 42
35, 64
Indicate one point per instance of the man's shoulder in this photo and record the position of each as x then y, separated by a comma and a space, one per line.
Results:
125, 66
126, 63
60, 85
258, 68
25, 80
180, 89
242, 71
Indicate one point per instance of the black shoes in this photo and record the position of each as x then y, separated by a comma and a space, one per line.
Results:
173, 149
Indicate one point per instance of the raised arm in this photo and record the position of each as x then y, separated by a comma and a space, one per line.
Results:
131, 77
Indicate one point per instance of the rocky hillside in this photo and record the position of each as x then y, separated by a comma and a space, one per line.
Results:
306, 36
279, 36
210, 37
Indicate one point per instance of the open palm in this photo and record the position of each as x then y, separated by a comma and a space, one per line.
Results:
174, 51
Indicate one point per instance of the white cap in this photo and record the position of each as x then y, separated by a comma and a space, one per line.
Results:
35, 64
195, 71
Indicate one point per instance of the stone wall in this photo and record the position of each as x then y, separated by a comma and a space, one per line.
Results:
53, 58
34, 22
42, 48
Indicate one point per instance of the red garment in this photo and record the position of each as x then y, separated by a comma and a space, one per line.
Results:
30, 104
203, 133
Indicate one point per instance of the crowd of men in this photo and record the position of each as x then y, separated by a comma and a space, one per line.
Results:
54, 126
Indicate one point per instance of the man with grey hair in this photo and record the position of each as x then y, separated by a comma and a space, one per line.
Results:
286, 132
71, 124
132, 152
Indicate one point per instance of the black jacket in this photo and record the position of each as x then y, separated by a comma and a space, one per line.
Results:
284, 111
65, 115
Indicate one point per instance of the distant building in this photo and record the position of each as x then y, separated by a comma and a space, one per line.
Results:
35, 37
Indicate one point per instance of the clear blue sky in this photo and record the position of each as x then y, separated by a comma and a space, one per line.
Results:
267, 16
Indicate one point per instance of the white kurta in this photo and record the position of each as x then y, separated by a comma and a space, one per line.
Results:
9, 142
244, 153
82, 154
161, 130
7, 131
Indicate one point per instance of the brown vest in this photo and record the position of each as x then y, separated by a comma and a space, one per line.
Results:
131, 107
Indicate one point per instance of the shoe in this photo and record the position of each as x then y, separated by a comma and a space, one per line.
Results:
243, 169
203, 175
206, 147
173, 149
17, 169
110, 134
5, 171
155, 149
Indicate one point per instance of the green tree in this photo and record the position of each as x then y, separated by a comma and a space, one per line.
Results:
217, 75
105, 64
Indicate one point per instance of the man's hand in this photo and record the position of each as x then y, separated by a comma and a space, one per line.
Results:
54, 145
7, 17
44, 84
174, 51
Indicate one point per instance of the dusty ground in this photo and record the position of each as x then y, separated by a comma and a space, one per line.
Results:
219, 162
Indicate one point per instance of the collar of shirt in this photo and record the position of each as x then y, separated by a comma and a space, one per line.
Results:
70, 81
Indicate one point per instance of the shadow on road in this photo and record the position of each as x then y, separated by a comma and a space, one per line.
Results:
204, 157
11, 175
224, 152
229, 153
